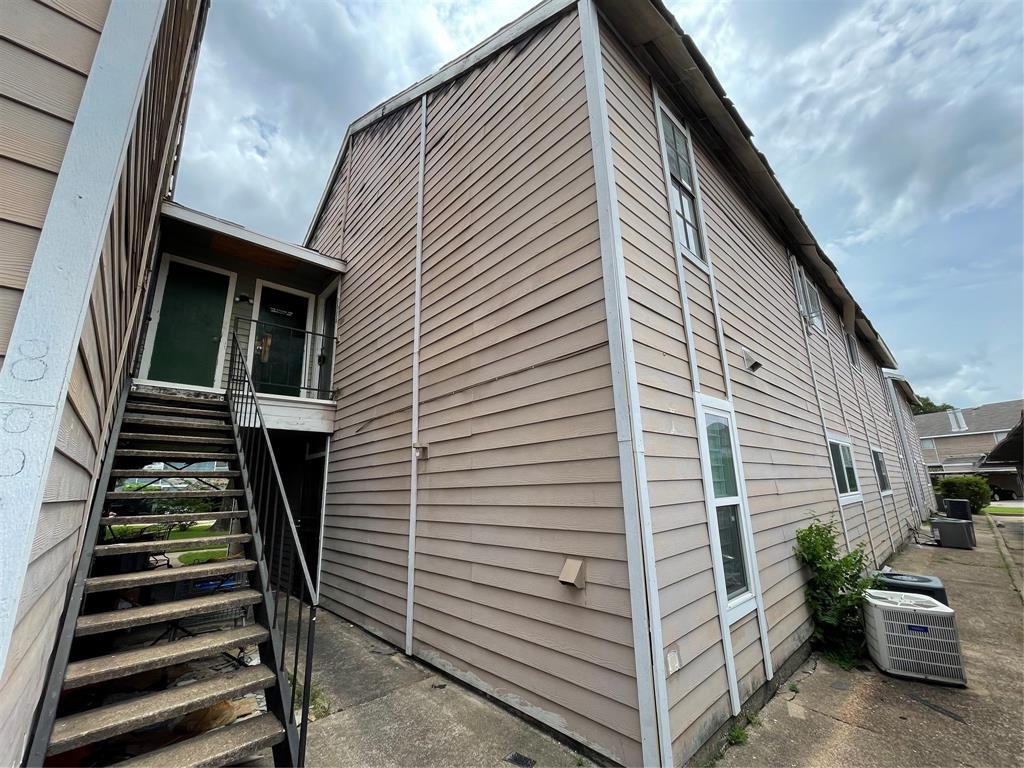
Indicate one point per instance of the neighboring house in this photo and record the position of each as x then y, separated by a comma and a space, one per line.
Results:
957, 442
594, 374
557, 376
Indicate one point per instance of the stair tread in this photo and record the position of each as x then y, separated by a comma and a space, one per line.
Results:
172, 455
174, 517
138, 395
197, 493
160, 421
114, 719
131, 662
177, 410
223, 746
171, 545
163, 575
157, 437
108, 621
187, 473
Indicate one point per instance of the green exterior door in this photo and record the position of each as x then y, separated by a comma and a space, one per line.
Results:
188, 334
280, 349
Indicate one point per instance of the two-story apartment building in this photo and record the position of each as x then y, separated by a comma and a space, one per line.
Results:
957, 442
543, 399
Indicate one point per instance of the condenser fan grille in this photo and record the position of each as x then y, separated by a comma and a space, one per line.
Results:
923, 644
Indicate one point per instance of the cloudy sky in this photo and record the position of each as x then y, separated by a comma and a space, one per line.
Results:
896, 127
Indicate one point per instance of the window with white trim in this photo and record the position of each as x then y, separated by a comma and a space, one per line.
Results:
725, 491
683, 188
927, 442
844, 468
880, 471
851, 349
809, 299
1000, 436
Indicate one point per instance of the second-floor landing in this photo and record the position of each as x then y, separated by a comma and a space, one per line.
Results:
217, 285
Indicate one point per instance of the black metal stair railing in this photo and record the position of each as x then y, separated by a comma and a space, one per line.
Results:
291, 593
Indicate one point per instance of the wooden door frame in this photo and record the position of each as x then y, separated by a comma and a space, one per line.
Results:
310, 319
154, 322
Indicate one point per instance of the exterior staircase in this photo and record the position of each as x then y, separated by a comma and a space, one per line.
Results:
173, 651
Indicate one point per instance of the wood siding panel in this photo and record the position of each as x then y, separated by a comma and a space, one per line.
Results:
41, 83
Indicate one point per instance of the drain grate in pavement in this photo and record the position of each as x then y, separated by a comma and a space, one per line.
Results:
519, 760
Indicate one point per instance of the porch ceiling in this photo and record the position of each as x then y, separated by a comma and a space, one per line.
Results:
199, 229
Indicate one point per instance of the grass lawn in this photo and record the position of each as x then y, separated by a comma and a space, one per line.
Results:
203, 556
1015, 511
203, 529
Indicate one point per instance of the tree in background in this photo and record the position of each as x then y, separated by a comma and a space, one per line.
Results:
927, 406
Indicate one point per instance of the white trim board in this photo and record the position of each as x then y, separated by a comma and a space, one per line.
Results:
43, 346
158, 303
648, 648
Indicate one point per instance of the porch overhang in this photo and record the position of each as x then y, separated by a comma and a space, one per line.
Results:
228, 236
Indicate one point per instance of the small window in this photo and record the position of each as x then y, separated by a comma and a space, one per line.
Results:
928, 443
727, 504
880, 471
683, 189
843, 467
851, 349
1000, 436
809, 299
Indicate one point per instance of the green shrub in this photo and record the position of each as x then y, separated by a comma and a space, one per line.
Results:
975, 489
835, 592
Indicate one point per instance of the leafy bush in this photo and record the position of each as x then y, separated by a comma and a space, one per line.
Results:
975, 489
835, 592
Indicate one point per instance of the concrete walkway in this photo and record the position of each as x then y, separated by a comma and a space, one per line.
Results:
387, 710
865, 718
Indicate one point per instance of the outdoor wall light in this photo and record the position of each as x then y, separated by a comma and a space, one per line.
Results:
243, 298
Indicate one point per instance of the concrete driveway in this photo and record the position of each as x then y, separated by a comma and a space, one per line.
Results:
865, 718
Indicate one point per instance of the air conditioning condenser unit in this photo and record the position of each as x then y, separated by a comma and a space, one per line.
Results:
913, 635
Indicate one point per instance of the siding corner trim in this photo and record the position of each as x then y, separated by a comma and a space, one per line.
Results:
652, 693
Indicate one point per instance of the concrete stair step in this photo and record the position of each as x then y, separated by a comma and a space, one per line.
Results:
115, 665
224, 746
167, 575
172, 545
108, 621
213, 425
157, 437
174, 517
220, 411
173, 455
185, 473
197, 493
114, 719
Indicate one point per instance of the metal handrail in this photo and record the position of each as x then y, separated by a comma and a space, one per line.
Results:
242, 326
274, 527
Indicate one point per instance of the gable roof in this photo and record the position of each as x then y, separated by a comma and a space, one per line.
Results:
654, 36
991, 417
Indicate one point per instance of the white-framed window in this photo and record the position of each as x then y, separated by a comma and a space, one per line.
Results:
731, 537
684, 197
809, 299
1000, 436
851, 349
844, 468
928, 443
878, 458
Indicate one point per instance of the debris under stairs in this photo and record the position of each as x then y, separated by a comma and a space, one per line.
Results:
170, 661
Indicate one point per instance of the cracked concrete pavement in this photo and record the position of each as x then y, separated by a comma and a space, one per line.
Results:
865, 718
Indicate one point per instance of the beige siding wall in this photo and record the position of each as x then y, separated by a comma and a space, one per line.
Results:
916, 456
514, 396
784, 449
56, 53
955, 446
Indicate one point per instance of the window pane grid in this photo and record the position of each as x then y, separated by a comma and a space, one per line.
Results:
843, 467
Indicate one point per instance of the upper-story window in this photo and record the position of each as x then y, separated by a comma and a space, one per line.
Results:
851, 349
809, 299
1000, 436
881, 471
927, 442
683, 188
844, 468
